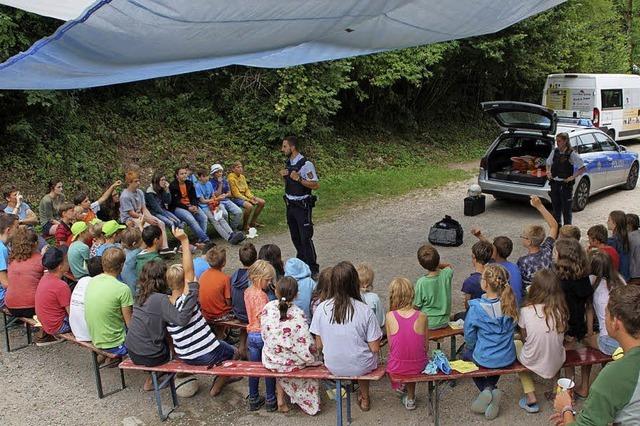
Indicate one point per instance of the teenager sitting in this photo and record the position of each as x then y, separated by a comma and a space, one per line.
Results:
17, 206
184, 204
90, 209
49, 207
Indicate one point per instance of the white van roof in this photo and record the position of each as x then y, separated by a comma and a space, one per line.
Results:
619, 81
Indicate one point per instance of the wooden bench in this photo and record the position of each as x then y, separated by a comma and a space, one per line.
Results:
249, 369
231, 323
114, 360
574, 358
10, 321
443, 333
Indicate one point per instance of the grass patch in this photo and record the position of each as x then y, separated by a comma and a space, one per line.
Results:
345, 190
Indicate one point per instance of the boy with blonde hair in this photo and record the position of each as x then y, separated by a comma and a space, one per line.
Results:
538, 245
366, 275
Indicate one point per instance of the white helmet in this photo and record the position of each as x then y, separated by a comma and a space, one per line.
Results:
474, 190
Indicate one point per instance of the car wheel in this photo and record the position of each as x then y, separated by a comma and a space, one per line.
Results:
581, 196
632, 178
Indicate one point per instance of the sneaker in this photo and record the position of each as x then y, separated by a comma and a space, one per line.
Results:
409, 404
46, 340
494, 407
236, 238
256, 404
481, 403
529, 408
271, 406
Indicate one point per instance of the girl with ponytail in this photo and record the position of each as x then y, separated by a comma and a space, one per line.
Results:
488, 334
288, 346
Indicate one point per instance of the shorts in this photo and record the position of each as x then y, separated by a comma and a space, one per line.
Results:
65, 327
223, 352
46, 228
147, 361
118, 350
607, 345
238, 202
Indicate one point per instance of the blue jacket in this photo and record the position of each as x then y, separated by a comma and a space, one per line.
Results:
489, 334
299, 270
239, 283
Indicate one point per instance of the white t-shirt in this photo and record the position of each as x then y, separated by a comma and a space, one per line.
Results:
76, 311
600, 300
542, 352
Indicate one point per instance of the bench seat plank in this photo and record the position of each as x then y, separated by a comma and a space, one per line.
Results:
233, 323
87, 345
574, 358
445, 332
249, 369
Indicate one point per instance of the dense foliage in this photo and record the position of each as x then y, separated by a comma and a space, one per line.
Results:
369, 111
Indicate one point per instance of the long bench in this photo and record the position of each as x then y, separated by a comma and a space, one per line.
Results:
232, 323
10, 321
574, 358
113, 360
248, 369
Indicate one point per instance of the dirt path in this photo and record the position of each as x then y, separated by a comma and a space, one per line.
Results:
55, 385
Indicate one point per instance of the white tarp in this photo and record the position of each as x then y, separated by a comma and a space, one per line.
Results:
59, 9
116, 41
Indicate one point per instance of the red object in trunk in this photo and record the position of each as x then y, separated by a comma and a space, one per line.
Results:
596, 117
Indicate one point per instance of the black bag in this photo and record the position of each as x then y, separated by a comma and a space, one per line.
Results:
447, 232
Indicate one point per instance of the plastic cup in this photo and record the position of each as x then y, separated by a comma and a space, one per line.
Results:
565, 385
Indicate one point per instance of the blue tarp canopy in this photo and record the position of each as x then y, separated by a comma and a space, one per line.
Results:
117, 41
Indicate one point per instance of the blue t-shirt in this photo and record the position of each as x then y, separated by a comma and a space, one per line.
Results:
472, 286
204, 190
199, 266
22, 211
104, 247
515, 280
4, 263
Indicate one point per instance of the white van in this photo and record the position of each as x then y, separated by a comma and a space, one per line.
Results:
611, 101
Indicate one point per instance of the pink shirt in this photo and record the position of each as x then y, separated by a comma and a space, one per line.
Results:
255, 300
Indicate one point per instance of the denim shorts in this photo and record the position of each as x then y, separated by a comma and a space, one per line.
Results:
118, 350
65, 327
238, 202
223, 352
607, 345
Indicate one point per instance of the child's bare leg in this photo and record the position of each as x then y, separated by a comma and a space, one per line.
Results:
411, 390
247, 207
585, 375
258, 208
363, 396
218, 385
281, 397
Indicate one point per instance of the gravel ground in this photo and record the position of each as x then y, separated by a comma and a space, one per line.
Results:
54, 385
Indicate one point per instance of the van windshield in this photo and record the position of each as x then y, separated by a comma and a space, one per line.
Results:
576, 103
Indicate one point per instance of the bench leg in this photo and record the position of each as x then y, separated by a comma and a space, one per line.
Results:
96, 373
349, 390
7, 324
156, 391
122, 383
430, 398
436, 403
453, 348
338, 403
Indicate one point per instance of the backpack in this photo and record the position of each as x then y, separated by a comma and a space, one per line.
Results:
447, 232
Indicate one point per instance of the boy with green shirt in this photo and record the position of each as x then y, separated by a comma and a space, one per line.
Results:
108, 305
433, 290
152, 237
614, 397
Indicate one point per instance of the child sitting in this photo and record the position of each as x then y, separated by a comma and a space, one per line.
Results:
240, 280
261, 275
597, 235
571, 266
243, 197
76, 310
63, 231
433, 290
539, 246
619, 240
288, 346
215, 288
152, 238
53, 295
111, 231
481, 255
543, 320
200, 263
570, 231
97, 237
78, 253
488, 334
365, 275
153, 311
300, 271
132, 246
407, 331
320, 294
216, 213
195, 343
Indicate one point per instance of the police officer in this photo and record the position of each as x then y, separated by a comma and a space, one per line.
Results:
563, 166
300, 179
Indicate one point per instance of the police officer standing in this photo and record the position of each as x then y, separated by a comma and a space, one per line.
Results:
300, 179
561, 164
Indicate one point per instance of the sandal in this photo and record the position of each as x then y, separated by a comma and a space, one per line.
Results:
364, 405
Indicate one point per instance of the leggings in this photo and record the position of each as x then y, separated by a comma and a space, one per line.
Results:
525, 377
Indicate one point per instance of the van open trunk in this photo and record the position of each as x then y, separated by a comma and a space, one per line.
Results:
520, 158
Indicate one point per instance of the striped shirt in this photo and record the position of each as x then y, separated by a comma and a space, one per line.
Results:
196, 338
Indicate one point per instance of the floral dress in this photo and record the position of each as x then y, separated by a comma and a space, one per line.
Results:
289, 346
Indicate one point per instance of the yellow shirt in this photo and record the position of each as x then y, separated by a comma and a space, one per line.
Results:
239, 187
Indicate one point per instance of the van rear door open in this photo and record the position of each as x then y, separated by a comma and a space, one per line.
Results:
571, 95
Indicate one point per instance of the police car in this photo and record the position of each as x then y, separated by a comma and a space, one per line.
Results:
514, 164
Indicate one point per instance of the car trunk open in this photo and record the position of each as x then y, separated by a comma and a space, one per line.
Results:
520, 158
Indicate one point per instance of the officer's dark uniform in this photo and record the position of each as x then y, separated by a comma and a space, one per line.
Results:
299, 215
561, 192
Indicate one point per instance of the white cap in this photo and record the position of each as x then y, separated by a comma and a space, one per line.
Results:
215, 168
